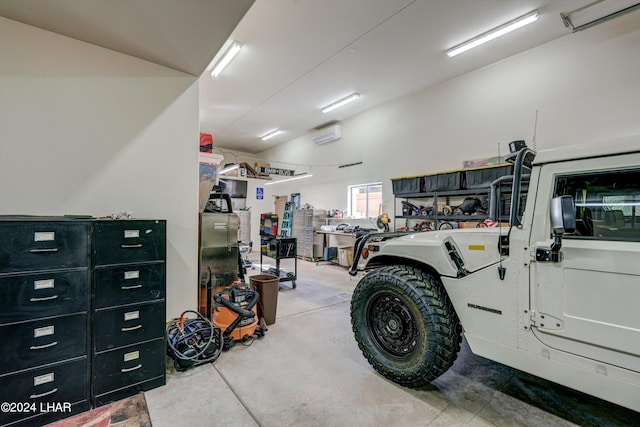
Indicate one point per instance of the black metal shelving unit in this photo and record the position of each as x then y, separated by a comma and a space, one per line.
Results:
438, 189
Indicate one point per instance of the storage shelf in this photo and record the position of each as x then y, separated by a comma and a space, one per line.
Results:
470, 192
473, 182
446, 217
443, 193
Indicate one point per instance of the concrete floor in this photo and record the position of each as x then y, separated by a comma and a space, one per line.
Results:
308, 371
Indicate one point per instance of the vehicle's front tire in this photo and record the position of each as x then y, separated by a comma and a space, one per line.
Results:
405, 325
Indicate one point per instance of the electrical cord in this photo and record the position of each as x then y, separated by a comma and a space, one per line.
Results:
190, 340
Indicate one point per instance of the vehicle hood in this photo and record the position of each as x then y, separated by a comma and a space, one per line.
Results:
476, 247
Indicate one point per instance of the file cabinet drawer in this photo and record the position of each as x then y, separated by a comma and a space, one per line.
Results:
128, 241
38, 342
131, 390
128, 284
127, 366
42, 245
62, 383
45, 294
127, 325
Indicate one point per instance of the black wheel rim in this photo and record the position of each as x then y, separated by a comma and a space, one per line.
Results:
392, 324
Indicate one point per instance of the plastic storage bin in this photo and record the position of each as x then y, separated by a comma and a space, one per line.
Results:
446, 181
483, 177
409, 185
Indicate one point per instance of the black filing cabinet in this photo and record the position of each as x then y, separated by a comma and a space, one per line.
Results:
44, 318
128, 349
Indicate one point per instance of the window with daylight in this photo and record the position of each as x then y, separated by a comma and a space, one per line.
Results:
364, 200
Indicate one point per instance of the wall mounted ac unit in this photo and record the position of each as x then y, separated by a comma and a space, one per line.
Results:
328, 134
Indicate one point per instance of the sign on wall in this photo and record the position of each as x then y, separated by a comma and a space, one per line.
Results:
259, 193
276, 171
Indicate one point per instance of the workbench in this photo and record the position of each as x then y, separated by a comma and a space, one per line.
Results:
336, 239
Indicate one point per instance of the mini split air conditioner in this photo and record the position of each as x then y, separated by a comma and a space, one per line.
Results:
328, 134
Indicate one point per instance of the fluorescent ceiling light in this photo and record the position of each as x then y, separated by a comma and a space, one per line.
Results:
229, 168
341, 102
306, 175
494, 33
271, 134
597, 12
231, 52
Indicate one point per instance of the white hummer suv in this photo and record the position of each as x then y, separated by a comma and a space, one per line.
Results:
555, 294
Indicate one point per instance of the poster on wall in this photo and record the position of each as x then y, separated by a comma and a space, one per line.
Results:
259, 193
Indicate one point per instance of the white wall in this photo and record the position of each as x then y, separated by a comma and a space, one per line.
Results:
85, 130
585, 87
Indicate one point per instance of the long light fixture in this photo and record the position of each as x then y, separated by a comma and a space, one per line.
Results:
231, 52
494, 33
229, 169
341, 102
271, 134
306, 175
597, 12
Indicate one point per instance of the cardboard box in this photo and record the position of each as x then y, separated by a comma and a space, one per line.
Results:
487, 161
469, 224
345, 256
256, 168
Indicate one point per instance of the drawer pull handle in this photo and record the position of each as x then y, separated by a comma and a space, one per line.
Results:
139, 245
132, 328
43, 298
40, 347
131, 369
35, 396
124, 288
45, 250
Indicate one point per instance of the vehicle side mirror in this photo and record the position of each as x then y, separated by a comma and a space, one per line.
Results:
563, 220
563, 215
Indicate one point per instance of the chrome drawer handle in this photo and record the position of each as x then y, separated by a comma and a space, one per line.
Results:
139, 245
36, 251
35, 396
133, 328
40, 347
124, 288
43, 298
131, 369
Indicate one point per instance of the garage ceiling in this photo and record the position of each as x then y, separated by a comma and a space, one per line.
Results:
179, 34
298, 55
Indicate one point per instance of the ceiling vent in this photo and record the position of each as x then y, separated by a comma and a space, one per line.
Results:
328, 134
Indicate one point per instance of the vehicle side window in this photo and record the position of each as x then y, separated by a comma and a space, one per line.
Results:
607, 203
